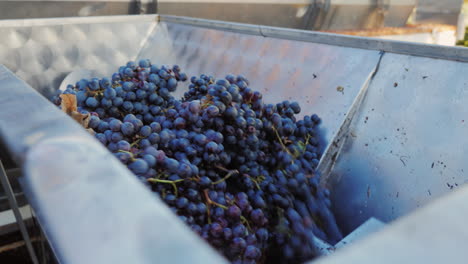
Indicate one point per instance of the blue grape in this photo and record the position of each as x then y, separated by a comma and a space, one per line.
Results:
139, 166
127, 129
92, 102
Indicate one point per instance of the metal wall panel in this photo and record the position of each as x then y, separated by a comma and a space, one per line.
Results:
435, 234
43, 54
407, 145
21, 9
281, 69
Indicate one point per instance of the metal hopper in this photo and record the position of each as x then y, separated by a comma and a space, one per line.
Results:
393, 115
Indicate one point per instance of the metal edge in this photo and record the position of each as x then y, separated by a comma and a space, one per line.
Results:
20, 147
77, 20
333, 150
432, 234
17, 213
148, 35
400, 47
37, 218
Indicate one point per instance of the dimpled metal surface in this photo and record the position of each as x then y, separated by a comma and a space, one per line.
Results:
324, 79
44, 53
407, 145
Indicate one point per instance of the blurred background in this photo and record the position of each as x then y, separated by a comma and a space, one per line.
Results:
425, 21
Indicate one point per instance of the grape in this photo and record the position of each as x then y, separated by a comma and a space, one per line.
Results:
145, 131
93, 85
115, 125
102, 138
128, 129
139, 166
123, 145
241, 173
144, 63
92, 102
171, 84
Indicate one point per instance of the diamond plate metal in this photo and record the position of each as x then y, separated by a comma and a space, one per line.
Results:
43, 55
281, 69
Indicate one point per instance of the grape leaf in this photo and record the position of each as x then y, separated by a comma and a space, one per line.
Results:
68, 103
69, 106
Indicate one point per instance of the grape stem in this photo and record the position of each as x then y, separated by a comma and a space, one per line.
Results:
281, 141
304, 145
173, 183
132, 158
205, 192
244, 220
254, 180
211, 202
135, 142
230, 173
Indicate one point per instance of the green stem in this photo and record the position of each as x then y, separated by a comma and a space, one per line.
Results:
226, 177
208, 200
173, 183
164, 181
132, 158
219, 205
135, 142
221, 168
254, 180
244, 220
281, 141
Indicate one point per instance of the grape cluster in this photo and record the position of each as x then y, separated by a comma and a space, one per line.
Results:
241, 173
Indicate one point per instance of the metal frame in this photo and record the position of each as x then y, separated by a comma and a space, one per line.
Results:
399, 47
19, 218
